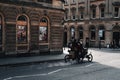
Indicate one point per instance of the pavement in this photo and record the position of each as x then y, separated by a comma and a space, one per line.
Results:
30, 59
23, 60
10, 61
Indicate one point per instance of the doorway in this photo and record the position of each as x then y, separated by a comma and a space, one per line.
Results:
65, 39
116, 39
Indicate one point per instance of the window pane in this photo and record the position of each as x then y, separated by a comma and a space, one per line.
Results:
43, 36
94, 13
73, 16
43, 30
81, 15
72, 32
102, 12
116, 12
93, 35
103, 35
80, 33
21, 34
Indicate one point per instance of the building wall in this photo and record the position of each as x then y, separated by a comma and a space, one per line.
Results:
107, 22
10, 15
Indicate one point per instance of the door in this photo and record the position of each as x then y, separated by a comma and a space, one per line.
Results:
65, 39
116, 38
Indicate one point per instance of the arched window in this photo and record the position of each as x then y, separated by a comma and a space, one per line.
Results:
102, 37
66, 14
102, 10
1, 30
80, 33
81, 12
72, 32
73, 11
93, 11
22, 37
43, 30
92, 33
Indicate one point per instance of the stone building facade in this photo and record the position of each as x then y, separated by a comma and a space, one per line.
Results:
94, 22
31, 26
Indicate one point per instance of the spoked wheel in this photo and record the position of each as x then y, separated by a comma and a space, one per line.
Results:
66, 58
90, 57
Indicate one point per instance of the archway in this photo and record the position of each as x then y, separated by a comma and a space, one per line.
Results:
22, 33
44, 34
65, 37
116, 36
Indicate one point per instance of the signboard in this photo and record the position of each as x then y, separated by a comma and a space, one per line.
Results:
100, 33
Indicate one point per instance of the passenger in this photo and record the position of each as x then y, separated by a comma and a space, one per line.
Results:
81, 49
77, 46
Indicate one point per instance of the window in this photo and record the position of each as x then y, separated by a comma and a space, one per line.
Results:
81, 0
73, 10
22, 30
72, 32
116, 12
92, 30
73, 17
102, 37
102, 14
0, 30
66, 1
66, 14
73, 14
81, 15
80, 33
73, 1
43, 30
93, 13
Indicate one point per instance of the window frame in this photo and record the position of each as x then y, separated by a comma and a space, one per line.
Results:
80, 32
93, 14
102, 13
66, 2
43, 25
117, 13
66, 14
22, 30
73, 12
103, 32
72, 32
81, 15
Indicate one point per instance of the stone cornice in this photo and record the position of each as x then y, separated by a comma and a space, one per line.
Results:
27, 4
116, 3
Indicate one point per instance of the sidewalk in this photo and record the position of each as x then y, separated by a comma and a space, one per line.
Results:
46, 58
30, 60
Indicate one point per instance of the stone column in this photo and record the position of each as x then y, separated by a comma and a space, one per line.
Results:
97, 36
76, 31
77, 9
108, 34
68, 33
69, 11
87, 9
85, 32
108, 8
